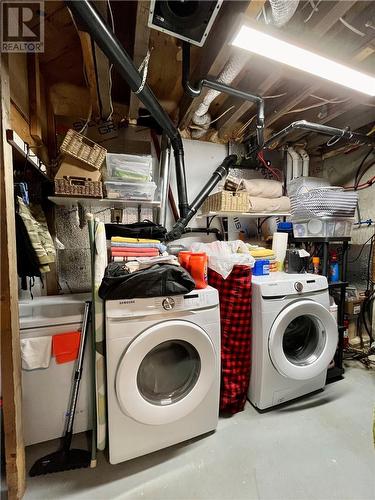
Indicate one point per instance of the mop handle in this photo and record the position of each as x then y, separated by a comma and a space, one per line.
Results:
78, 370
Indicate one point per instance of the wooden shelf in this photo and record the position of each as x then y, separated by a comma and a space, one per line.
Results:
71, 202
250, 215
23, 150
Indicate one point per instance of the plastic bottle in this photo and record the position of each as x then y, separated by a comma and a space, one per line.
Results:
198, 269
316, 265
184, 259
334, 273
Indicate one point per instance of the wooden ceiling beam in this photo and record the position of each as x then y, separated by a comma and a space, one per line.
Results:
89, 62
216, 52
141, 46
339, 9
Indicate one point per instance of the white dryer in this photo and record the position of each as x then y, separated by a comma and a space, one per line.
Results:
294, 337
163, 371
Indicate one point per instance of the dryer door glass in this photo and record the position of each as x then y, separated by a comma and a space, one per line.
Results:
168, 372
302, 340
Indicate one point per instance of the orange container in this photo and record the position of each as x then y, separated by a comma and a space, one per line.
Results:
184, 258
198, 269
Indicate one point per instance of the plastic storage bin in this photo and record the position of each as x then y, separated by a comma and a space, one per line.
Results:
142, 191
129, 168
324, 227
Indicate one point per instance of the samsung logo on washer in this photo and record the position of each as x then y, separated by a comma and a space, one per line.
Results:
127, 302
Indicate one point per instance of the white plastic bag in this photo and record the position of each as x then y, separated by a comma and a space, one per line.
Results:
224, 255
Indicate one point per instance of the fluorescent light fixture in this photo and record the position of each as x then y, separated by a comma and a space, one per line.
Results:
268, 46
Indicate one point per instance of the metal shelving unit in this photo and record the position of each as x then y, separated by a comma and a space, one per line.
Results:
337, 371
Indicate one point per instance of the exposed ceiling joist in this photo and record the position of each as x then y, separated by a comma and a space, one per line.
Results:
338, 9
89, 62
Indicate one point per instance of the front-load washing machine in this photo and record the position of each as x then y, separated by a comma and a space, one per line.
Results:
163, 371
294, 337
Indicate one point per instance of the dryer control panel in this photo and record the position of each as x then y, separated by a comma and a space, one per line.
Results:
196, 299
283, 284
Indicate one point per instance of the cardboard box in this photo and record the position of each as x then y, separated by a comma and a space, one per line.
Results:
70, 167
353, 308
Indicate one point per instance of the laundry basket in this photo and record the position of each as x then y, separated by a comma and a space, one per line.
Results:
235, 312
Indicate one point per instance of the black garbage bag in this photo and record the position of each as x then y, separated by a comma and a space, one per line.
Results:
145, 229
156, 281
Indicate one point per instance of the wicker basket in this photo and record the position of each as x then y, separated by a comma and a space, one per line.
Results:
226, 201
82, 148
78, 186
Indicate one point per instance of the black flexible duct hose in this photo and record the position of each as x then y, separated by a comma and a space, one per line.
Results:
115, 52
222, 170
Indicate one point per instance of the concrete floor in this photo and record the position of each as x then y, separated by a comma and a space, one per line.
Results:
320, 447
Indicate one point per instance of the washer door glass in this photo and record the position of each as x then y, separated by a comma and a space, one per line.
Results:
303, 340
168, 372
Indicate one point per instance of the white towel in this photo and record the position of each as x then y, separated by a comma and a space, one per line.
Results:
36, 352
263, 188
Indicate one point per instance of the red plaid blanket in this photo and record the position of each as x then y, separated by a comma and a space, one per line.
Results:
235, 311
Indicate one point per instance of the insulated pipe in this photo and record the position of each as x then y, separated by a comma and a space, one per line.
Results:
164, 178
222, 171
116, 54
220, 87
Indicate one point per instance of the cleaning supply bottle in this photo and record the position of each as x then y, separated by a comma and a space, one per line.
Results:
334, 273
316, 265
198, 269
184, 259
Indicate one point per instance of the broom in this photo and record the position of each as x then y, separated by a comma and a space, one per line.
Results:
66, 458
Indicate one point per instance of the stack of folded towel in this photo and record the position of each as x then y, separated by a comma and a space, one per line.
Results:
261, 253
124, 249
266, 196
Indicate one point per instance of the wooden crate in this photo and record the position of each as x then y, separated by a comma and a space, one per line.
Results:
82, 148
78, 186
226, 201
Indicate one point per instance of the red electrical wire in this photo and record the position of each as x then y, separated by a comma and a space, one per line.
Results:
274, 172
364, 185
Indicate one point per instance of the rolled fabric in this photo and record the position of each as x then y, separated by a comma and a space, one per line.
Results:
264, 188
269, 205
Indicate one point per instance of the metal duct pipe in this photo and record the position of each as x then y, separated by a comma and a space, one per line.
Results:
165, 158
222, 171
112, 48
320, 129
221, 87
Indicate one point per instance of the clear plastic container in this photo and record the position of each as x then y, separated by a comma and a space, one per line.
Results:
324, 227
142, 191
129, 168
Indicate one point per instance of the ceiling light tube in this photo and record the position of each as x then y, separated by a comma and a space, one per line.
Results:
273, 48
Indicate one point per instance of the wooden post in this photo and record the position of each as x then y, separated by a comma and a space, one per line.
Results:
10, 340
